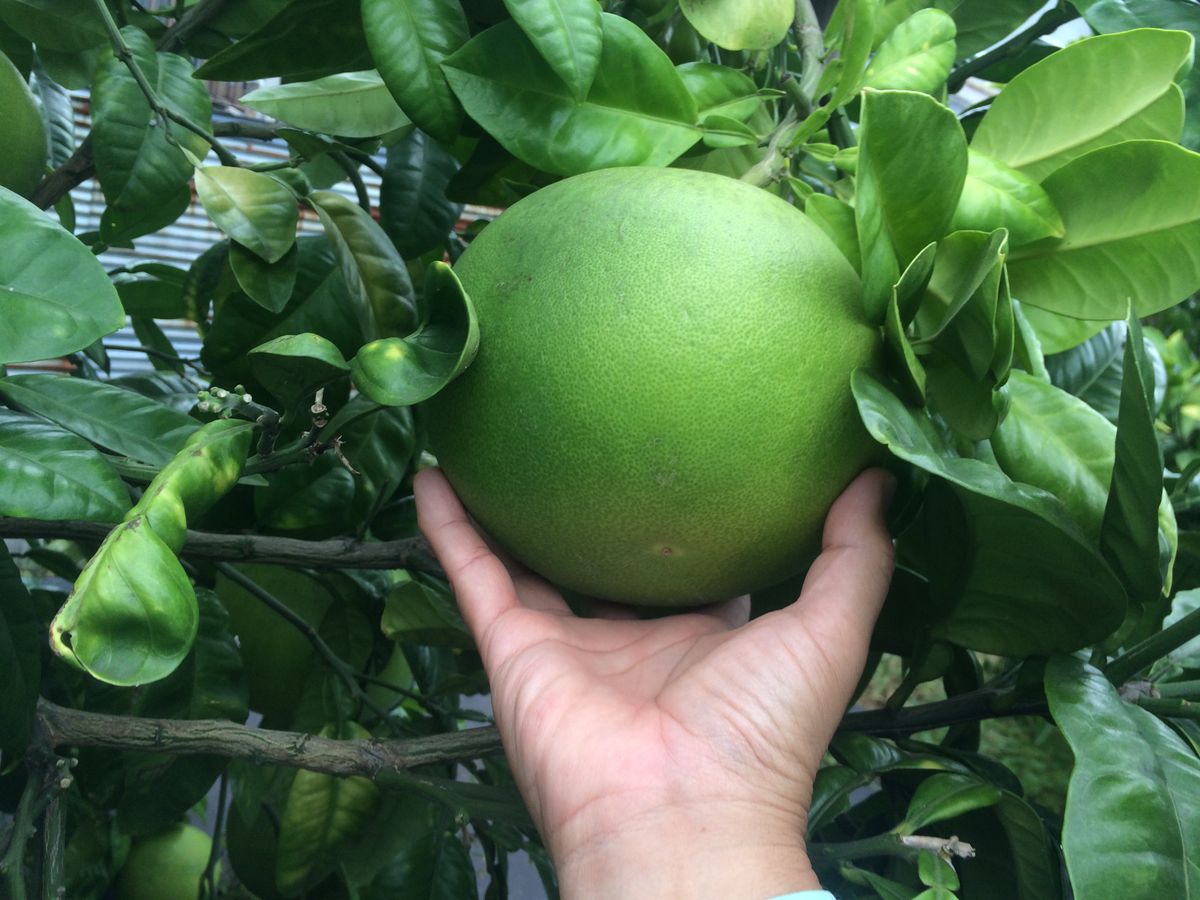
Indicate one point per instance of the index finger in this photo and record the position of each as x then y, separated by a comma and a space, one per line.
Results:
481, 582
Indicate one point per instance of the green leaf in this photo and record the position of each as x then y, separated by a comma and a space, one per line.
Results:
108, 416
996, 196
937, 873
1130, 533
138, 157
65, 25
736, 25
413, 208
946, 796
1095, 369
983, 23
308, 502
1038, 122
132, 616
322, 812
638, 111
907, 189
409, 41
167, 388
720, 90
837, 221
55, 297
567, 35
402, 372
157, 298
1131, 214
916, 56
48, 473
1025, 579
903, 364
21, 641
295, 365
269, 285
853, 36
160, 788
1132, 822
58, 113
304, 39
369, 262
1057, 333
351, 104
414, 612
253, 209
381, 446
432, 864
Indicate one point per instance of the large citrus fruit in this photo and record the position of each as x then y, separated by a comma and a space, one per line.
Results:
23, 137
167, 864
660, 410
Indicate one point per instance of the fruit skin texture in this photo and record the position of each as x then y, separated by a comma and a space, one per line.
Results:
23, 137
660, 410
167, 864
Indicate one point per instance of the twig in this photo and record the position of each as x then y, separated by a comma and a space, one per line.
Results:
1179, 709
1050, 20
351, 170
123, 53
29, 807
338, 553
373, 758
974, 706
208, 880
1153, 648
908, 847
335, 662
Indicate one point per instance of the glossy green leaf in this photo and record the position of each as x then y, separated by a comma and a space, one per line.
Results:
55, 297
854, 36
206, 467
321, 812
413, 208
970, 406
153, 297
1027, 349
983, 23
21, 640
837, 221
1057, 333
1026, 579
369, 262
1133, 516
720, 90
159, 789
740, 25
409, 41
108, 416
903, 364
1131, 214
381, 446
1057, 442
138, 157
351, 104
916, 56
58, 113
638, 111
269, 285
167, 388
1094, 370
567, 35
910, 289
308, 502
48, 473
65, 25
907, 189
295, 365
1037, 123
937, 873
432, 864
305, 39
946, 796
404, 371
1132, 822
414, 612
132, 616
253, 209
997, 196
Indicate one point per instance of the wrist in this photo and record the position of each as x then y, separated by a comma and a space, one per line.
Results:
694, 854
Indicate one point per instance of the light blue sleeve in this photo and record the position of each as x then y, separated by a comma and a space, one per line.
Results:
806, 895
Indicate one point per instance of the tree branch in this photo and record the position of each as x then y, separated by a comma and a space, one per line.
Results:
63, 727
974, 706
339, 553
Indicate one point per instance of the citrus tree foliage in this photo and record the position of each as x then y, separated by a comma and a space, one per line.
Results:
1024, 258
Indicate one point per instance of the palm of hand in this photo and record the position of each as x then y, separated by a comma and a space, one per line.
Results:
608, 721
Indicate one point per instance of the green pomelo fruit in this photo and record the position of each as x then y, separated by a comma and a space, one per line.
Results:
660, 410
277, 658
23, 136
167, 864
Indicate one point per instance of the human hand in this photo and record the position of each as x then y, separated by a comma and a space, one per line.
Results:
672, 757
